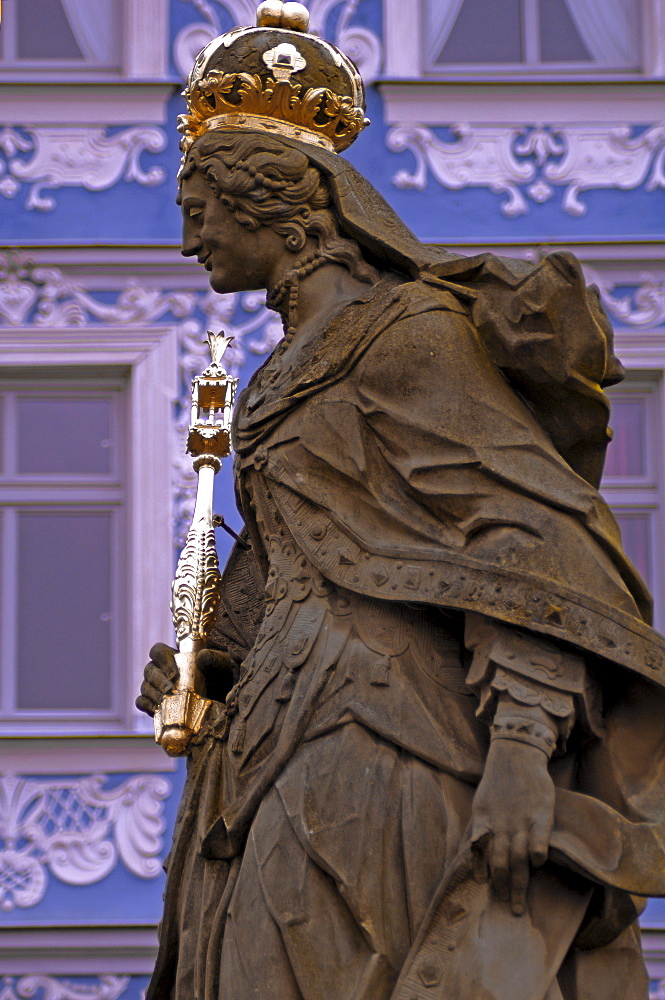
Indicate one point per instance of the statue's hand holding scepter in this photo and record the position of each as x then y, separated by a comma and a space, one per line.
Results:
195, 591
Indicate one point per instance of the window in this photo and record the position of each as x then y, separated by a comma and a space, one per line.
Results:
66, 34
529, 35
632, 482
125, 380
62, 528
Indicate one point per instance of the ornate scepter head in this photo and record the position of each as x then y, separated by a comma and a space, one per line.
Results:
195, 591
213, 393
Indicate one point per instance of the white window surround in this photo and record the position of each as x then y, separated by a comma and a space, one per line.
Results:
511, 103
75, 755
644, 359
78, 951
613, 49
149, 355
413, 98
37, 497
93, 36
136, 94
144, 47
642, 496
404, 32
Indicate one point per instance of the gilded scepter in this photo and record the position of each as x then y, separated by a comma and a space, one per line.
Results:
195, 591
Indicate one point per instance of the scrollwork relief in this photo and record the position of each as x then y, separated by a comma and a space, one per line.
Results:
528, 165
75, 157
359, 43
642, 305
478, 157
52, 988
77, 830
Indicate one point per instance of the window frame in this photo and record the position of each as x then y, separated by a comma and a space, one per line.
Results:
642, 384
148, 357
54, 386
531, 64
645, 373
65, 494
144, 49
405, 54
9, 59
635, 496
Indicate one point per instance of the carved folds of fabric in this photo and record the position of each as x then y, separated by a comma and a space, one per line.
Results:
295, 606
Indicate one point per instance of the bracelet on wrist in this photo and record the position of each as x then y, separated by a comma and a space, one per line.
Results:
524, 730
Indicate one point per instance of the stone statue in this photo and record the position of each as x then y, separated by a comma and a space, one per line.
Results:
433, 762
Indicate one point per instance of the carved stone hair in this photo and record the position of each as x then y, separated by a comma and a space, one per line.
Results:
264, 182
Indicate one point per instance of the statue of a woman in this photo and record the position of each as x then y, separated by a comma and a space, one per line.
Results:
434, 764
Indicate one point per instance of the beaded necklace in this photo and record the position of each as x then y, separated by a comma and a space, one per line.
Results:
290, 285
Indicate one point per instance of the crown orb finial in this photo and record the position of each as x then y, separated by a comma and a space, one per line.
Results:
269, 14
276, 14
295, 16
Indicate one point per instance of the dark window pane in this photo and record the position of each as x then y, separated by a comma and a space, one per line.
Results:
626, 453
636, 538
64, 627
485, 32
63, 435
560, 41
44, 31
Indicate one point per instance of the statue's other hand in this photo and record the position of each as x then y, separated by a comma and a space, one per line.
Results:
159, 678
219, 669
512, 818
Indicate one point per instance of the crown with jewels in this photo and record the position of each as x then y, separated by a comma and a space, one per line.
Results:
276, 78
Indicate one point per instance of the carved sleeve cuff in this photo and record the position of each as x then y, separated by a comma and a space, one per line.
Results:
533, 672
523, 729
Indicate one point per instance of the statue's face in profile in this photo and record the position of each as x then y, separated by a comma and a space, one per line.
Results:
237, 258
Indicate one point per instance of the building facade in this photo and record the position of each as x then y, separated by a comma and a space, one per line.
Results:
519, 127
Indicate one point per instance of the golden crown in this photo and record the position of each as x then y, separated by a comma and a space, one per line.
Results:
277, 78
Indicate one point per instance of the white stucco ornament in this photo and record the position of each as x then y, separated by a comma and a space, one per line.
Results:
359, 44
89, 158
478, 157
642, 306
54, 988
76, 830
529, 165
